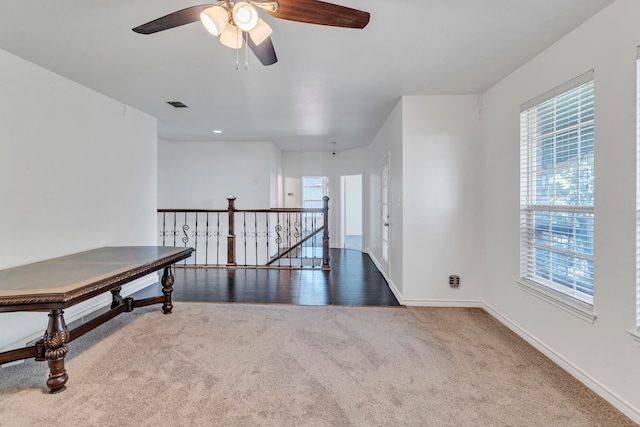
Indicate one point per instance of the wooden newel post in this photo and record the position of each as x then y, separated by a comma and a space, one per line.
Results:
325, 234
231, 237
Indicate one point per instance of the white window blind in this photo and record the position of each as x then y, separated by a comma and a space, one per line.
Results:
556, 189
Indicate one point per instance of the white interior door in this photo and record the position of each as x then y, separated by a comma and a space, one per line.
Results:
385, 208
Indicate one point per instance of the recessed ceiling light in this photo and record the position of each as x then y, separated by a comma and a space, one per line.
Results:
217, 131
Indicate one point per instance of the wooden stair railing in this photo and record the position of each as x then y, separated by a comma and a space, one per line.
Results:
295, 247
254, 237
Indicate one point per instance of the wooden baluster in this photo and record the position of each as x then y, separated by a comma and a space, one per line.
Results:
267, 235
325, 235
164, 228
218, 234
231, 237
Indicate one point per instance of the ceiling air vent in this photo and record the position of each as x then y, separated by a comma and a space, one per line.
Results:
177, 104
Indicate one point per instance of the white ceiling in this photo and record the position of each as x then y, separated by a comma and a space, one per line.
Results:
329, 84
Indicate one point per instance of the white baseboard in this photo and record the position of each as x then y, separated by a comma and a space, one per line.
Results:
392, 286
579, 374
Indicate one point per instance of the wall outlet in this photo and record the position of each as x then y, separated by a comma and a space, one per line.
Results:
454, 281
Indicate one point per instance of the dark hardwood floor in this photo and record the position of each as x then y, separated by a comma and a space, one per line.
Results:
353, 280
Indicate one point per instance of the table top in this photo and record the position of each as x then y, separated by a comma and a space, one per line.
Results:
67, 280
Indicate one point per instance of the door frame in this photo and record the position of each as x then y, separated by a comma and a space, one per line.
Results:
385, 199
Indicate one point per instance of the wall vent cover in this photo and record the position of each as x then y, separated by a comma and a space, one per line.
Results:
177, 104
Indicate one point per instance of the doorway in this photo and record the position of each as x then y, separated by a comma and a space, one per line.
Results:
351, 214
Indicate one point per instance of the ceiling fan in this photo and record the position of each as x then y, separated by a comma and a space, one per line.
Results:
236, 20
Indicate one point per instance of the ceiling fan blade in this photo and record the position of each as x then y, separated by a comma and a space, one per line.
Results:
264, 51
321, 13
172, 20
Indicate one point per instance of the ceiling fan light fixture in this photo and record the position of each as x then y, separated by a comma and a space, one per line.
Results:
214, 19
245, 16
261, 31
231, 37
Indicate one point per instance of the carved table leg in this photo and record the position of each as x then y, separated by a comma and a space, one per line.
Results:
55, 338
167, 288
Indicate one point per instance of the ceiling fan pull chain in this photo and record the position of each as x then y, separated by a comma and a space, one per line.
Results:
237, 59
246, 51
237, 50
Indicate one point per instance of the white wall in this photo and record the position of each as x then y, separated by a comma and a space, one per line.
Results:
602, 354
388, 140
200, 175
441, 145
353, 205
296, 164
275, 178
77, 172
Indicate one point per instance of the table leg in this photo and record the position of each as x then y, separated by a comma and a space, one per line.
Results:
116, 298
167, 288
55, 338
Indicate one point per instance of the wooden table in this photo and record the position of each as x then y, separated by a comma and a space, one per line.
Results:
58, 283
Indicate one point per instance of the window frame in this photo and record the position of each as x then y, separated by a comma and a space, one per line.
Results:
572, 299
635, 332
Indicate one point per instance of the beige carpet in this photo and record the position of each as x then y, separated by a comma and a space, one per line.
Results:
279, 365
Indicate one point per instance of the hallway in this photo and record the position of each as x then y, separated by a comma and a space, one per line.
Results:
353, 280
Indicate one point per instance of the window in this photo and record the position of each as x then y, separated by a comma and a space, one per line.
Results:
637, 335
556, 190
314, 188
